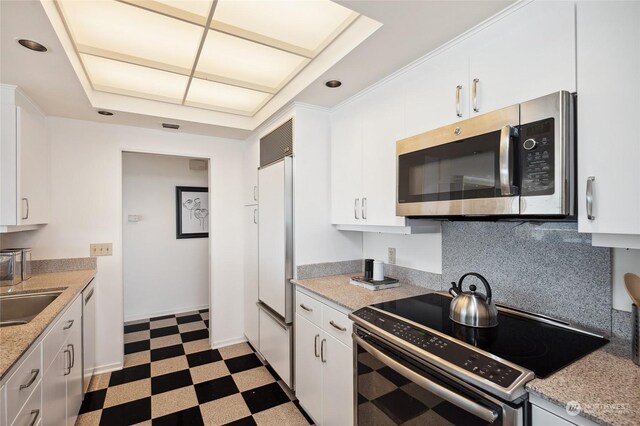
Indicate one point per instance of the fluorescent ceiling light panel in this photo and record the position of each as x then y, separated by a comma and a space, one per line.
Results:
210, 94
125, 32
133, 80
308, 25
246, 63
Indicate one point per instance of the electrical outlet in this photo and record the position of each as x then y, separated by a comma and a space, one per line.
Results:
103, 249
392, 256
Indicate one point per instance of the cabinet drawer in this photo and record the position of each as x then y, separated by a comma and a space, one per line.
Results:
68, 322
309, 308
23, 382
32, 410
337, 324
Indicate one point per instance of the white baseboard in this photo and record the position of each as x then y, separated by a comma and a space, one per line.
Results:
167, 312
228, 342
108, 368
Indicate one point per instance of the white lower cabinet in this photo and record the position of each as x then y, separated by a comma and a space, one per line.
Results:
23, 391
30, 414
545, 413
275, 345
308, 367
323, 365
62, 380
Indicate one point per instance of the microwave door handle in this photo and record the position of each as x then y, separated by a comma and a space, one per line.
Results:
505, 155
458, 400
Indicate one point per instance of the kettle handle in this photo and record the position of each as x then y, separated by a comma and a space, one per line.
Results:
481, 278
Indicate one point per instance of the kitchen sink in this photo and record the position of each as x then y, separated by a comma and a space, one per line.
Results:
16, 309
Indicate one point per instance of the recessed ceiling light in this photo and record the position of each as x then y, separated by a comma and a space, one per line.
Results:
32, 45
333, 83
103, 112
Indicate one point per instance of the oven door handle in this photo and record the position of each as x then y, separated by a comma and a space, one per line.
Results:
505, 156
442, 392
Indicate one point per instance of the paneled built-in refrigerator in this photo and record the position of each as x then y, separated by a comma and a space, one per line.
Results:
275, 250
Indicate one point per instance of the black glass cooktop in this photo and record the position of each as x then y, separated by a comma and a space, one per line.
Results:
540, 347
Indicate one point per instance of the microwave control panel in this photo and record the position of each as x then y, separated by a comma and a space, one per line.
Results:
537, 159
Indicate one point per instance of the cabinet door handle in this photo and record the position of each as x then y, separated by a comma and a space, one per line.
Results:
67, 361
306, 308
364, 208
34, 375
322, 356
474, 94
26, 200
34, 416
255, 216
458, 110
355, 208
589, 197
315, 346
255, 193
69, 324
89, 296
73, 356
336, 326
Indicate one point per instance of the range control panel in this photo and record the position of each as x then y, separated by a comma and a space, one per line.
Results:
537, 158
459, 355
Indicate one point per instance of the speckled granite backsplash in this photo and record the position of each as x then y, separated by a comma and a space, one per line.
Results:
63, 265
547, 268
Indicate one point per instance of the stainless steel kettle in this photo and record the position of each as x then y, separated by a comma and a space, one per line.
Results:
470, 308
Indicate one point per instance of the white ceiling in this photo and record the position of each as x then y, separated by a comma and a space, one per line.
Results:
410, 30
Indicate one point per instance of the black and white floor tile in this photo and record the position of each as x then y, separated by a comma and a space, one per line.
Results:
172, 377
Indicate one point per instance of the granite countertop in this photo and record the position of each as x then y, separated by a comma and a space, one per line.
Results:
338, 289
16, 340
606, 384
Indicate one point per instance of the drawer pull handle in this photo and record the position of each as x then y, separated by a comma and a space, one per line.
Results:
323, 358
34, 375
305, 308
34, 416
69, 325
336, 326
315, 345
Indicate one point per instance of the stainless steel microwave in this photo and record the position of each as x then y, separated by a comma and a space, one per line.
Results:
516, 162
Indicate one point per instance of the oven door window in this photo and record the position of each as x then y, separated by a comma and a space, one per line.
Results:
466, 169
386, 397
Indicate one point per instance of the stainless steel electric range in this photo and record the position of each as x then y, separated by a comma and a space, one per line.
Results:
413, 365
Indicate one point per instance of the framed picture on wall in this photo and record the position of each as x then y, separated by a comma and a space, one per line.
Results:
192, 212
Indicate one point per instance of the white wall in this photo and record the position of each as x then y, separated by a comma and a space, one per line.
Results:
420, 251
624, 260
162, 274
86, 204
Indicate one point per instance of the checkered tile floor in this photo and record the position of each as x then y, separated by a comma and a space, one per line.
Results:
172, 377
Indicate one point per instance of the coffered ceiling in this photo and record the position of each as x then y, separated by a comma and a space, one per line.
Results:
383, 37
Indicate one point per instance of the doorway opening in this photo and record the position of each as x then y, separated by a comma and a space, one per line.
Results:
166, 258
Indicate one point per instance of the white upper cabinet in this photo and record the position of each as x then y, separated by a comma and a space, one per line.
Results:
346, 164
382, 126
528, 54
251, 163
608, 66
25, 160
436, 92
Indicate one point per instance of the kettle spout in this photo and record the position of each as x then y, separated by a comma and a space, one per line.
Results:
454, 290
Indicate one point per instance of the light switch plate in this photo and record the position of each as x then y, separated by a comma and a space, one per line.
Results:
392, 256
102, 249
